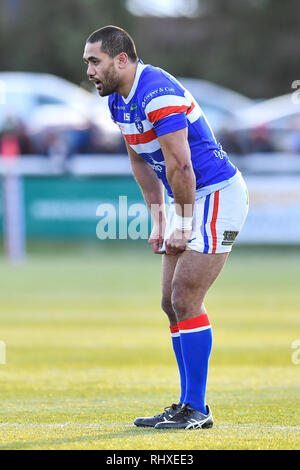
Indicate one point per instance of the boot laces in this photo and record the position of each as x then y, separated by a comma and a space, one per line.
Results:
183, 413
167, 409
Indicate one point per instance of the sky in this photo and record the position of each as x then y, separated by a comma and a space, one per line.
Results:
171, 8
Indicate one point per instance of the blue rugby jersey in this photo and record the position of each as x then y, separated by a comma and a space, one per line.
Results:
158, 104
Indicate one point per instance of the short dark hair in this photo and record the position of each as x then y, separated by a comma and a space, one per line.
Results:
114, 41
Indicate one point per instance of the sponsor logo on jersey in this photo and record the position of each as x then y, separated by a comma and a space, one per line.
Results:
118, 107
220, 154
158, 92
155, 165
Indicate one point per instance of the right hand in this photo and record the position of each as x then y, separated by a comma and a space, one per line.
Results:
156, 238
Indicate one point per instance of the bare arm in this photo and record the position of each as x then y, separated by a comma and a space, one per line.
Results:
153, 192
151, 186
181, 177
179, 170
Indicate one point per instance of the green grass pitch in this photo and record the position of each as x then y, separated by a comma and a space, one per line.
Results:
88, 350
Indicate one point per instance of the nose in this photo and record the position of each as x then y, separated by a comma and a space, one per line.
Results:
90, 70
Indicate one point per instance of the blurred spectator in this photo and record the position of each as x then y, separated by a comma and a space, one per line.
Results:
229, 142
14, 138
245, 141
9, 147
56, 130
24, 140
294, 134
260, 140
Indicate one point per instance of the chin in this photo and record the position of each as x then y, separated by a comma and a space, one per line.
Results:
105, 93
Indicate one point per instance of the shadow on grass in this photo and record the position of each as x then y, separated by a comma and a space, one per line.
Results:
102, 436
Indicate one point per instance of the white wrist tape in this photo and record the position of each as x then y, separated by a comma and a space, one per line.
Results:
183, 223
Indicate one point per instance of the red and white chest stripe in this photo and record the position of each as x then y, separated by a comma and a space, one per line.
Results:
158, 108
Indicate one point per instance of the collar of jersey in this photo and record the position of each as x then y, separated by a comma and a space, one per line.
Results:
140, 67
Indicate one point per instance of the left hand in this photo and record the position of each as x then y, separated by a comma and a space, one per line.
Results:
177, 242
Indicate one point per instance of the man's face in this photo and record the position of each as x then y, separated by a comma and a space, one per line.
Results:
101, 70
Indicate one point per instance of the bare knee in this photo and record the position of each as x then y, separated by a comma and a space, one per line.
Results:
166, 305
185, 303
179, 305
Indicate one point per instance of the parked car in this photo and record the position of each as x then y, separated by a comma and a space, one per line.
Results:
269, 126
40, 98
218, 103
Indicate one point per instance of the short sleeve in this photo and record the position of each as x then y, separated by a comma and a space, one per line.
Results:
172, 123
167, 113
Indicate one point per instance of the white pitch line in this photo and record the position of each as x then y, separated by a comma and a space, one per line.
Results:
258, 426
55, 425
101, 426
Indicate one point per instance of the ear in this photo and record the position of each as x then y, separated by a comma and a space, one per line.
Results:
122, 60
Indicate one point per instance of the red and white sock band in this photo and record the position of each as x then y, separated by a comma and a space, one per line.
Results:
174, 330
194, 324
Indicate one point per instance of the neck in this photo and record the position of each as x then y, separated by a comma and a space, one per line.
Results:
128, 80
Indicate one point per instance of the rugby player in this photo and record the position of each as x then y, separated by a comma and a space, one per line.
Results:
172, 147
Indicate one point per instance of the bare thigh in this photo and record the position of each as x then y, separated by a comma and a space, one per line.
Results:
193, 275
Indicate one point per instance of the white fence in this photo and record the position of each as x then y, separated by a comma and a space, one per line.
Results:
274, 210
273, 182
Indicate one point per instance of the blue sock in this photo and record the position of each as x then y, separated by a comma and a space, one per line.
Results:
196, 343
178, 354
